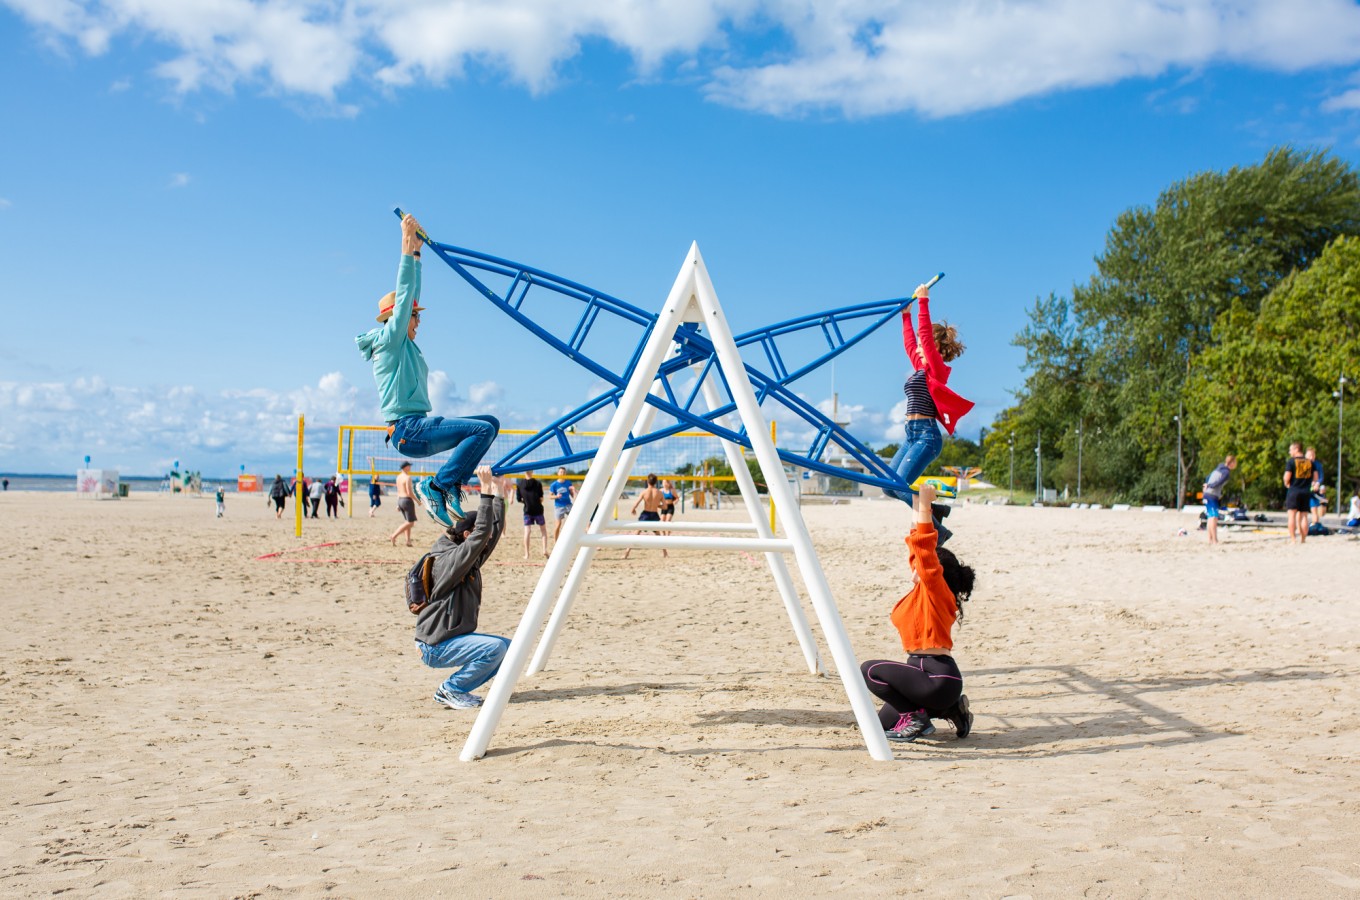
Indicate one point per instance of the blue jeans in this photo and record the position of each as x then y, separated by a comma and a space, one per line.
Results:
476, 656
469, 438
920, 445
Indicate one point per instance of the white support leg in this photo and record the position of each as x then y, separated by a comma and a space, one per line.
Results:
778, 568
592, 491
791, 517
598, 524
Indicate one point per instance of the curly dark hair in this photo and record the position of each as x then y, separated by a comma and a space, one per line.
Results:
958, 576
947, 341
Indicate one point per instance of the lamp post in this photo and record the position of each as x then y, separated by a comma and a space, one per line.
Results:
1079, 459
1180, 493
1340, 395
1010, 497
1039, 466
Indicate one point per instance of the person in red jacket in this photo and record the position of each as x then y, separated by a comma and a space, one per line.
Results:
929, 400
928, 685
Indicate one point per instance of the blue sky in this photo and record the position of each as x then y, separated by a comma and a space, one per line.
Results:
196, 195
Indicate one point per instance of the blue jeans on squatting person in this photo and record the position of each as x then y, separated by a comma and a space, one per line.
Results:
477, 657
469, 438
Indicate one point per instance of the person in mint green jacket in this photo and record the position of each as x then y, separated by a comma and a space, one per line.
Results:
401, 374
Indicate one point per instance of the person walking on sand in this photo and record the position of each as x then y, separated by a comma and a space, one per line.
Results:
668, 498
1213, 494
314, 494
332, 494
650, 500
221, 498
1298, 490
929, 684
448, 604
529, 492
1317, 500
278, 492
374, 496
929, 400
406, 504
563, 494
402, 376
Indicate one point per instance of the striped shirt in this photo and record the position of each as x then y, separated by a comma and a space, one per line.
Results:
919, 402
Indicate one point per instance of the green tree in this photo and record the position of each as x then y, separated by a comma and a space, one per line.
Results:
1270, 376
1119, 355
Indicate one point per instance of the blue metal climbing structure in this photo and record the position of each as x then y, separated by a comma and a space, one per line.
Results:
682, 375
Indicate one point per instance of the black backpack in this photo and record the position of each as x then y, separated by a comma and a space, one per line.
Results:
419, 583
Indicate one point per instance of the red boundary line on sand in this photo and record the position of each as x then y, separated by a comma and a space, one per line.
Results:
299, 549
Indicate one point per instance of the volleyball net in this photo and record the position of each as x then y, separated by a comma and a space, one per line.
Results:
693, 460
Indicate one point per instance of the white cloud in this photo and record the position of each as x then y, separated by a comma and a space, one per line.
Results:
5, 204
1349, 100
485, 393
178, 180
137, 428
782, 57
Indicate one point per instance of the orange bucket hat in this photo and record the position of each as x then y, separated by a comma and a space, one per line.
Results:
388, 301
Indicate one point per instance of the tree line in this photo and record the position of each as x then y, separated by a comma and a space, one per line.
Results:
1220, 320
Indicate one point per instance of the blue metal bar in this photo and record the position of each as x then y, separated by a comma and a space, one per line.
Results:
695, 350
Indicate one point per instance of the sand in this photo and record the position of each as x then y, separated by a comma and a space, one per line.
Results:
1153, 717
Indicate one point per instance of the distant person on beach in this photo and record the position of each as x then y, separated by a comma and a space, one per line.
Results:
278, 492
529, 492
1317, 501
333, 501
221, 499
1213, 494
6, 483
1353, 517
929, 399
563, 494
928, 685
406, 504
314, 494
401, 374
374, 496
1298, 484
668, 498
650, 500
446, 627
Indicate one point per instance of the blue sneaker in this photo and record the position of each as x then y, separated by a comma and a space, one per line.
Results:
432, 501
456, 699
454, 501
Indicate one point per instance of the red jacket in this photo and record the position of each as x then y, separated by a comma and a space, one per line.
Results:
949, 406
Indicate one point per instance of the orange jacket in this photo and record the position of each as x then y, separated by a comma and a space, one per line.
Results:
925, 617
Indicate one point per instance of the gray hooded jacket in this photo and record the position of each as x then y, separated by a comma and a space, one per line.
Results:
456, 594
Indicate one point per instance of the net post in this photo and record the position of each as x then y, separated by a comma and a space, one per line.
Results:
297, 502
769, 493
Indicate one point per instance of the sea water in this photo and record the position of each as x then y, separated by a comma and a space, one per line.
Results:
135, 483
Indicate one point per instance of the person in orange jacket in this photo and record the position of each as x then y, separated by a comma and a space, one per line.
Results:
928, 685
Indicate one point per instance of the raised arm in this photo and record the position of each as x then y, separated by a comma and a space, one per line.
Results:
408, 277
926, 336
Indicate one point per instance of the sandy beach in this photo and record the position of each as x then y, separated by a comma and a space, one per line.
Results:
1154, 717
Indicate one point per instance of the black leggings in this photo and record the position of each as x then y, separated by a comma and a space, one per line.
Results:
932, 683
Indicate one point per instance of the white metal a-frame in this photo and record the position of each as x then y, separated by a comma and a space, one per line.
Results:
692, 299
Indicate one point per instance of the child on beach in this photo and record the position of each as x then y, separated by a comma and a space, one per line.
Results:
929, 400
928, 685
400, 370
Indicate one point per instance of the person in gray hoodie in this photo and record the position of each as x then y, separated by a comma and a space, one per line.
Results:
446, 628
